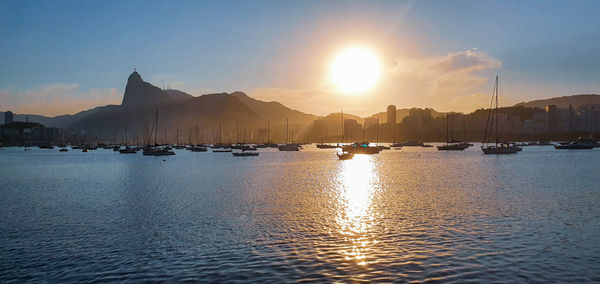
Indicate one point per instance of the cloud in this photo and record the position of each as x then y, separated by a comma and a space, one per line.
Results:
451, 82
56, 99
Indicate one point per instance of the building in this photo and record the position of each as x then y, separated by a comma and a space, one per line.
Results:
352, 130
8, 117
370, 121
391, 114
552, 118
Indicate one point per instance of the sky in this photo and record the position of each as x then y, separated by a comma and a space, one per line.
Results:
61, 57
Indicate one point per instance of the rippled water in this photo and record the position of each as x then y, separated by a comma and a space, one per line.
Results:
404, 215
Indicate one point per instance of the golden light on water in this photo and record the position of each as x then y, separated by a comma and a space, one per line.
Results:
355, 70
357, 184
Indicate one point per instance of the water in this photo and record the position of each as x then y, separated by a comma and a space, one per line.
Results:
404, 215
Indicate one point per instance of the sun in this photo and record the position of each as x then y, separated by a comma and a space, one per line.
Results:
355, 70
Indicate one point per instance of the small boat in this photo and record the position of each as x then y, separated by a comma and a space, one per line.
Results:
245, 154
451, 147
361, 148
85, 150
198, 149
381, 147
411, 143
327, 146
157, 152
450, 144
345, 156
288, 147
63, 150
127, 150
222, 151
580, 144
502, 148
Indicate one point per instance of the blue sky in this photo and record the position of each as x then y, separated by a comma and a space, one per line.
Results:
56, 52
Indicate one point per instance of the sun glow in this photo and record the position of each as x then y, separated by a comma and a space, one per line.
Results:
355, 70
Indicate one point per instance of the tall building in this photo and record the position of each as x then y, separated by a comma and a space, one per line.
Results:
8, 117
391, 114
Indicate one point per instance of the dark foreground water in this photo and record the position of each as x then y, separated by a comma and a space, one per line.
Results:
409, 215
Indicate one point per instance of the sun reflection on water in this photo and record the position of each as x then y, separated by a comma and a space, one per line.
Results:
357, 185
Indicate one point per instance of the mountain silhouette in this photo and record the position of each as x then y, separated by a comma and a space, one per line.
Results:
563, 102
142, 94
180, 110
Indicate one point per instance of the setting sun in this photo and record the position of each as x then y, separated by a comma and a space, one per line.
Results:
355, 70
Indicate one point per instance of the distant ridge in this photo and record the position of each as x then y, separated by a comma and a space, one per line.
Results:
563, 102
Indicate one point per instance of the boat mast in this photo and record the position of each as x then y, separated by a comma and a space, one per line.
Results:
452, 129
497, 110
377, 131
155, 126
237, 138
269, 131
342, 116
447, 128
196, 133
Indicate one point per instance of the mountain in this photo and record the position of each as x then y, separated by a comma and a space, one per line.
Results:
178, 95
273, 110
178, 110
143, 94
60, 121
563, 102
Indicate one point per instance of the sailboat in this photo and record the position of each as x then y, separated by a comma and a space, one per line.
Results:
156, 151
127, 149
450, 144
492, 124
324, 146
245, 148
178, 146
286, 146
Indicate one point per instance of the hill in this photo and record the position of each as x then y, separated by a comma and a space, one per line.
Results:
563, 102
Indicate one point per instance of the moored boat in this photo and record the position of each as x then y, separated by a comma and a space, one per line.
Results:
497, 148
245, 154
345, 156
361, 148
580, 144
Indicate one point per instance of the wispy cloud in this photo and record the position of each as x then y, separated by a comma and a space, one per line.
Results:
451, 82
56, 99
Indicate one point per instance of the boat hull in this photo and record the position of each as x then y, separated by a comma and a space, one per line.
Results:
574, 147
158, 153
289, 148
499, 150
245, 154
345, 156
